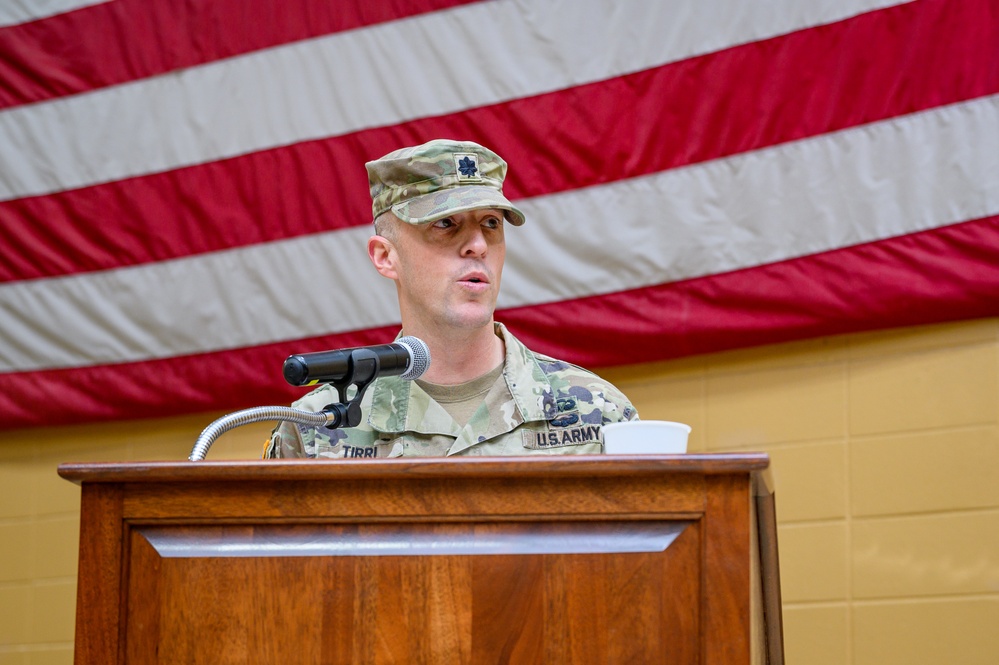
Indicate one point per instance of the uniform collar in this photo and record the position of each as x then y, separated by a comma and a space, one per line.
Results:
399, 405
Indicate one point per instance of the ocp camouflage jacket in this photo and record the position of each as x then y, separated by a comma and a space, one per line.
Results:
542, 406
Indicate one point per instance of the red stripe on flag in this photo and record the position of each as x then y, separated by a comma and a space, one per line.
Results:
158, 388
872, 67
945, 274
116, 42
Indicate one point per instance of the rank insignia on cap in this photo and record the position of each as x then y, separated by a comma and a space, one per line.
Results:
467, 166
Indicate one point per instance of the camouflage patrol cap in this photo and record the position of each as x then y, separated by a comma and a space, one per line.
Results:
428, 182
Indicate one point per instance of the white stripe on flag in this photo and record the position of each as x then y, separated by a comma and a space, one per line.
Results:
859, 185
13, 12
501, 51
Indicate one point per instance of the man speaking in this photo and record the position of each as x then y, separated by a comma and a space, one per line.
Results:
440, 220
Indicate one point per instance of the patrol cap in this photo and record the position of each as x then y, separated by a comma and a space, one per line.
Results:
428, 182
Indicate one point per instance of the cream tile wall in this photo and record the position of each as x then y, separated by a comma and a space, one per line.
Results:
40, 513
885, 451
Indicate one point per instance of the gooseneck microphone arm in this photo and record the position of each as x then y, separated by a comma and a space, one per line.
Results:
255, 415
358, 367
362, 369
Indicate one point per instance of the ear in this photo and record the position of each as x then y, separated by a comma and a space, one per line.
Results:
383, 256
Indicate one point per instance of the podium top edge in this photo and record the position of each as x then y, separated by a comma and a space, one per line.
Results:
465, 467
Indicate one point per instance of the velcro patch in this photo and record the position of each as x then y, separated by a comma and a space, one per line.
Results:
565, 436
466, 164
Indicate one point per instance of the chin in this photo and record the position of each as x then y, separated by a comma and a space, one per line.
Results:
470, 320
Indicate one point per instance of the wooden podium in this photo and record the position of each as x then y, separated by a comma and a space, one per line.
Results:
574, 559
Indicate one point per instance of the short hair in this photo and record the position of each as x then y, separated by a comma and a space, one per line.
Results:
385, 225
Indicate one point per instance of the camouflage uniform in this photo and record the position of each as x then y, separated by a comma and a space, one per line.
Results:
543, 406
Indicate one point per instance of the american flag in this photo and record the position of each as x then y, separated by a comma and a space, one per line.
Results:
183, 201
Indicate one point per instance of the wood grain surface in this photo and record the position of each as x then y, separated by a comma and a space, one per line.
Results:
600, 560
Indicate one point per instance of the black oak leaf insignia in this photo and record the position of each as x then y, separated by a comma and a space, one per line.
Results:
467, 167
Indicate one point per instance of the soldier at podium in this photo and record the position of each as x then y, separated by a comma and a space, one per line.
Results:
440, 219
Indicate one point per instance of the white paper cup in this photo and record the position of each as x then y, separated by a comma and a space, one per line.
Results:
644, 437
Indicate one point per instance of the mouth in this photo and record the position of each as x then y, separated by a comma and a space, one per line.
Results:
475, 278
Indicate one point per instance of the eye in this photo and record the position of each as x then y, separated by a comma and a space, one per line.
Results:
445, 223
492, 222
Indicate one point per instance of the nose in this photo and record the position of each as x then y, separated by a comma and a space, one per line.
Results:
474, 244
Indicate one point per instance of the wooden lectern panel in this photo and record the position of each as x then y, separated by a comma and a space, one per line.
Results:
521, 593
575, 560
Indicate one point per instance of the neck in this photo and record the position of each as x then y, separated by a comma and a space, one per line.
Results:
460, 356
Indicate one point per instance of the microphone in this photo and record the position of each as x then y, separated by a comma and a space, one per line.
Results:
407, 357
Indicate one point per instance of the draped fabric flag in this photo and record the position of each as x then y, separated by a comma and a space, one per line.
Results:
183, 201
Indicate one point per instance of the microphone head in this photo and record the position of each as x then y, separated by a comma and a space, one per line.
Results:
419, 354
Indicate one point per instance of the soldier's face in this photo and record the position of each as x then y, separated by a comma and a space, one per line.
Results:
448, 272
